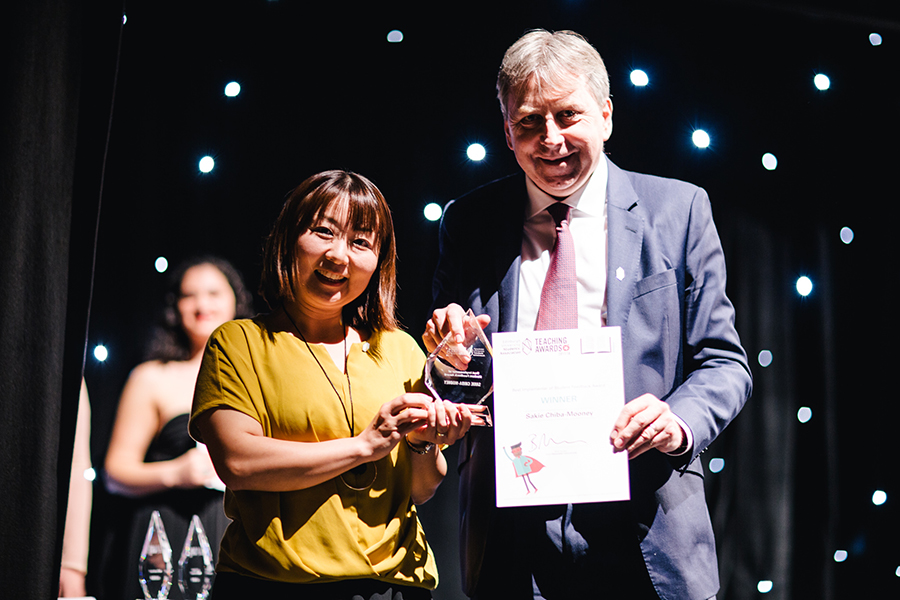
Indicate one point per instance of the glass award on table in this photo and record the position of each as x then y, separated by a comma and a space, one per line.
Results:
195, 567
449, 377
155, 566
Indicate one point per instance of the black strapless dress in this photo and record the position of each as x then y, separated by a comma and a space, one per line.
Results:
176, 508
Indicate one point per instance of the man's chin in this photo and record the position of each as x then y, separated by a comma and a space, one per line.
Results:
558, 187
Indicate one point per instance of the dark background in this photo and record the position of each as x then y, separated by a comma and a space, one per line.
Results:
322, 88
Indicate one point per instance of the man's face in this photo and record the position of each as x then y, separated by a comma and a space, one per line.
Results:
558, 135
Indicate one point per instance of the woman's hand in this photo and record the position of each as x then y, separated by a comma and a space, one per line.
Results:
71, 583
446, 424
246, 459
138, 420
396, 419
193, 469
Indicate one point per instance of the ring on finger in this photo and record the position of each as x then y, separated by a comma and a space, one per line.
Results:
440, 434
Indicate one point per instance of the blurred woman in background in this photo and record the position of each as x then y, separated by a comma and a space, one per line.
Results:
151, 457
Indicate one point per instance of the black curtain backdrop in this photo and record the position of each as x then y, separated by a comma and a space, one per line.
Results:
58, 62
751, 499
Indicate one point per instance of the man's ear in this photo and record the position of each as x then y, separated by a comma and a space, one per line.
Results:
606, 110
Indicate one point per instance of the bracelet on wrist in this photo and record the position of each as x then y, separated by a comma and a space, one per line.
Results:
419, 449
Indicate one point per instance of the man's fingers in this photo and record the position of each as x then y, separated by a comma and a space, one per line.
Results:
663, 434
639, 422
455, 316
443, 321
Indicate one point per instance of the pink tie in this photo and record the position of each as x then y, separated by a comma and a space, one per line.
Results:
559, 296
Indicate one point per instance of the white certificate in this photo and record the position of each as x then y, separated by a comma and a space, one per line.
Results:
557, 395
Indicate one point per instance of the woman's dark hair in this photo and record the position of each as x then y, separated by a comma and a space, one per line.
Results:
367, 210
169, 341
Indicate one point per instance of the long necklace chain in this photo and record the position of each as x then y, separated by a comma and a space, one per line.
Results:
351, 418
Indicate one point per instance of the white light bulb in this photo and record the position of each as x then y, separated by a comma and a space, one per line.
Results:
100, 352
700, 138
206, 164
433, 211
822, 82
476, 152
846, 235
639, 78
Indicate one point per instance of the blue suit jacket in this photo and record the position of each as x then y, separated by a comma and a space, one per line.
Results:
679, 343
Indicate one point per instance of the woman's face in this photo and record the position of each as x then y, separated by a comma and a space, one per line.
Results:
334, 262
206, 301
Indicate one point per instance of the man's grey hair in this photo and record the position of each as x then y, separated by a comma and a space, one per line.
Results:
542, 59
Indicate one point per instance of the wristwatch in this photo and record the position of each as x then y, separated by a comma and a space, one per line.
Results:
428, 447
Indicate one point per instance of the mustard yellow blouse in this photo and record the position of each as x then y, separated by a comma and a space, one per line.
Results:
328, 532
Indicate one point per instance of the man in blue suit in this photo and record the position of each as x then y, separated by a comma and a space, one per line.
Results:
647, 259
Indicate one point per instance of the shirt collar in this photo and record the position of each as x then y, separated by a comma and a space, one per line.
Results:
589, 199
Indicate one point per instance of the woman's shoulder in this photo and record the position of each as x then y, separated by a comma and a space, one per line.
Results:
257, 334
240, 328
395, 344
396, 338
147, 372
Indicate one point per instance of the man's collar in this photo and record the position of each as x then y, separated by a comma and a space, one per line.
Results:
590, 198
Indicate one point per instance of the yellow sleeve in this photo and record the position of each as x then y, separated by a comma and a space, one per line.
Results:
227, 378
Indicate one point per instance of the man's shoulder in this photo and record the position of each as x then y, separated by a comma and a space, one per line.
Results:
652, 194
652, 186
499, 192
644, 183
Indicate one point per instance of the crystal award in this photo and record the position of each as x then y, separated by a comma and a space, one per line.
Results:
155, 566
447, 377
195, 567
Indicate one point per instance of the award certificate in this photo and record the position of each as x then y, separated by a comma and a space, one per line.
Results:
557, 395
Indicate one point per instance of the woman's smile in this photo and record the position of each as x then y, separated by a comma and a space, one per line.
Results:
335, 261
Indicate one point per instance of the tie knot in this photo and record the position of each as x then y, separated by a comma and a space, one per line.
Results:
559, 211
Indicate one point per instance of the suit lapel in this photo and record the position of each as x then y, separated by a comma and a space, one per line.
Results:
625, 231
508, 260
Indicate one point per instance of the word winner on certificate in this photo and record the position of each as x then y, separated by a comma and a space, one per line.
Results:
557, 395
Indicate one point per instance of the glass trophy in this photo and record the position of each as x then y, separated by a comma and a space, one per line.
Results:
449, 378
195, 567
155, 566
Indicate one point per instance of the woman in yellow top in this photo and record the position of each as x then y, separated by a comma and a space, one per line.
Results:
313, 416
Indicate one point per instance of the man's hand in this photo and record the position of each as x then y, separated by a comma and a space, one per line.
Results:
644, 423
446, 320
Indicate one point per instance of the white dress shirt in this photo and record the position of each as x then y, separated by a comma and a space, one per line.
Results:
588, 224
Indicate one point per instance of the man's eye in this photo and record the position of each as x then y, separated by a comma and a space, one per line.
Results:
568, 116
529, 121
